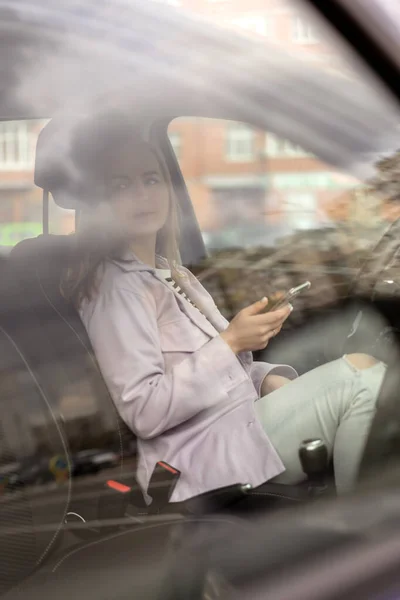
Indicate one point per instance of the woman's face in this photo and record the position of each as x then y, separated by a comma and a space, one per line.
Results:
137, 190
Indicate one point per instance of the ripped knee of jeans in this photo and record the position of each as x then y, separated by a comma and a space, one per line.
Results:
361, 361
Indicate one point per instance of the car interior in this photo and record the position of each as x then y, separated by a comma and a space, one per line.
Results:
45, 351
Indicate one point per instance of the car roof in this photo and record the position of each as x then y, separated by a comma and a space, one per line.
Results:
67, 59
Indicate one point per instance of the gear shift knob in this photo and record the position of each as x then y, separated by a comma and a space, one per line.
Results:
313, 456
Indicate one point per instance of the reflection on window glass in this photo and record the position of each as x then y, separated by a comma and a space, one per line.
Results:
20, 199
280, 23
259, 24
302, 32
169, 2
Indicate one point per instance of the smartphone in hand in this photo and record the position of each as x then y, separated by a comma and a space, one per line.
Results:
279, 300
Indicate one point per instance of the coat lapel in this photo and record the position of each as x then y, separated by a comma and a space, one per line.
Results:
208, 317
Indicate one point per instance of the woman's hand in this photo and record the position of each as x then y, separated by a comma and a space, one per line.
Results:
250, 330
272, 382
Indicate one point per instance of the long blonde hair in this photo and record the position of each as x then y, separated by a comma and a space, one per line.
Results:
95, 242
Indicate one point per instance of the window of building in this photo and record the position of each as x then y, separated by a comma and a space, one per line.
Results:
278, 147
303, 32
17, 149
240, 146
176, 143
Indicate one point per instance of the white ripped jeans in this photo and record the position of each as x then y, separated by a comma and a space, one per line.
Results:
335, 402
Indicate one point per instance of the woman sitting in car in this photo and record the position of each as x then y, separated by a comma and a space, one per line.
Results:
181, 376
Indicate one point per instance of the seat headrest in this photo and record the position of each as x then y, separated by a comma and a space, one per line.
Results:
70, 151
55, 170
